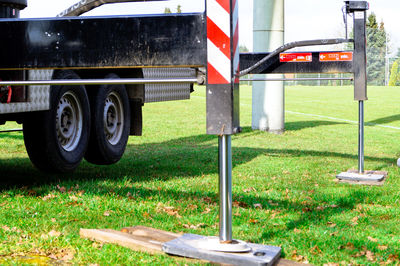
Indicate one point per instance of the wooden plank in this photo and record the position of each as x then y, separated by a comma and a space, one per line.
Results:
144, 239
137, 243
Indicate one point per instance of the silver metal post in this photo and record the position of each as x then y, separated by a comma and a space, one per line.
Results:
225, 188
96, 81
361, 137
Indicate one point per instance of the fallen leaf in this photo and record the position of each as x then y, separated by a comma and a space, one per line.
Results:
382, 247
192, 207
97, 245
237, 214
370, 256
61, 189
240, 204
331, 264
53, 220
73, 197
107, 213
330, 224
372, 239
32, 192
68, 256
299, 258
73, 203
355, 220
257, 206
253, 221
5, 228
207, 199
296, 230
171, 211
350, 246
49, 196
250, 189
147, 215
320, 208
207, 210
315, 250
392, 258
54, 233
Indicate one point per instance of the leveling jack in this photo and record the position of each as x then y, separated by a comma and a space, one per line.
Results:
361, 175
223, 249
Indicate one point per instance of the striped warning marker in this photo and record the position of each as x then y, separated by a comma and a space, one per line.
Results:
222, 41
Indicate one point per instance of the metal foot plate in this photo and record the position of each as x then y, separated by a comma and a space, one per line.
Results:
187, 246
368, 176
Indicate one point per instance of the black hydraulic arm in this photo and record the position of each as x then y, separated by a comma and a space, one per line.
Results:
352, 61
268, 58
84, 6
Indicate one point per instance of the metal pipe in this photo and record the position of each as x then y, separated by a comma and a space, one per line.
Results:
361, 137
96, 81
295, 79
225, 188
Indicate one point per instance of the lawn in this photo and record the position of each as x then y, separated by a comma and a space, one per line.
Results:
284, 187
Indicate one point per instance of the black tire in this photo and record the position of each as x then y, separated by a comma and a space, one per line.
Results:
56, 140
110, 123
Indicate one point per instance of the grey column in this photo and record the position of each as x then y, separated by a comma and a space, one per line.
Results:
268, 112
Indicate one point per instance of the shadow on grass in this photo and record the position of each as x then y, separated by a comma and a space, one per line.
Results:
185, 157
298, 125
385, 120
15, 136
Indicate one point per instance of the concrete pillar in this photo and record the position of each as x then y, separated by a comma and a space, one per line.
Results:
268, 112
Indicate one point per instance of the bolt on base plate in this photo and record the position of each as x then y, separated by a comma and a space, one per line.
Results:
367, 176
192, 246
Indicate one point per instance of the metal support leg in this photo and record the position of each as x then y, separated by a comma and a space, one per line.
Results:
361, 175
361, 137
225, 188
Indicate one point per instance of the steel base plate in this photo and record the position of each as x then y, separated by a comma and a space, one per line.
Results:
212, 243
188, 246
367, 176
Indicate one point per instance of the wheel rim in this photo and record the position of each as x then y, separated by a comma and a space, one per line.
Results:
69, 121
113, 117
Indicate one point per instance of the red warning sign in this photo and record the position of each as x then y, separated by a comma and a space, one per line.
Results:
335, 56
295, 57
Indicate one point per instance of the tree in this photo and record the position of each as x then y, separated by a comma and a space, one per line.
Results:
395, 74
243, 48
179, 9
376, 51
167, 10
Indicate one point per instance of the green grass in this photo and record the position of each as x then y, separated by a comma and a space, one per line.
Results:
174, 164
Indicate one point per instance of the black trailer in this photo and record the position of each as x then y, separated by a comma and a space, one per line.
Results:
78, 84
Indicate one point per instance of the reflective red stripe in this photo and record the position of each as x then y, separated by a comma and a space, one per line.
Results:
218, 38
214, 77
225, 5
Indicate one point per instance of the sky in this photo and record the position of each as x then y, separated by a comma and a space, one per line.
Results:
304, 19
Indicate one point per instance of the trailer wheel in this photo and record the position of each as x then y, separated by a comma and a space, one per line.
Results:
56, 140
110, 124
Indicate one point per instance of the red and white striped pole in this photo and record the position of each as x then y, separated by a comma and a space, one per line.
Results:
223, 97
222, 41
